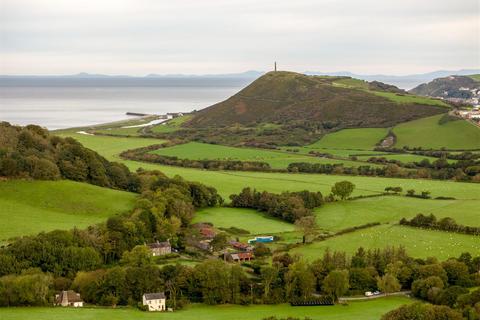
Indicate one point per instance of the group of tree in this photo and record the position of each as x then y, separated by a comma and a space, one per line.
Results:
162, 212
444, 224
145, 154
464, 170
31, 152
289, 206
287, 279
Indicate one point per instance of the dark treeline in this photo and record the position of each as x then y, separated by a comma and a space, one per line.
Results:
145, 155
289, 206
463, 170
31, 152
444, 224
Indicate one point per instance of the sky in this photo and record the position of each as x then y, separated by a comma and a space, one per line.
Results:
138, 37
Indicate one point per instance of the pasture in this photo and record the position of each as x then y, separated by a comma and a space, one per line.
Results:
34, 206
364, 310
110, 147
428, 133
390, 209
418, 243
171, 125
360, 139
408, 98
253, 221
276, 159
228, 182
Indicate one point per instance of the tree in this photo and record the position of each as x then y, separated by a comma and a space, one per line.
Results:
219, 242
299, 281
307, 225
336, 283
139, 256
388, 283
422, 311
343, 189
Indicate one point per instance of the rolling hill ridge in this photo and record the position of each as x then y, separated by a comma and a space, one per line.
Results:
332, 102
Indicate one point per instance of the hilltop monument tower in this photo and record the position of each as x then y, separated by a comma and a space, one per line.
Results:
275, 66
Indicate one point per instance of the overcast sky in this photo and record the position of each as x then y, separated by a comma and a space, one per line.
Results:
138, 37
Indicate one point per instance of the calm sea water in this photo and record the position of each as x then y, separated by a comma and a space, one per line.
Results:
57, 107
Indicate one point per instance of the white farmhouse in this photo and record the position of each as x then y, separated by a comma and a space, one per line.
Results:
155, 301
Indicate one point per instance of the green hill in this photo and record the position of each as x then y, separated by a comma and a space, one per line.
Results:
30, 207
431, 133
300, 108
457, 87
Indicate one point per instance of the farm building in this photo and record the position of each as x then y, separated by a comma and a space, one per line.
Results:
262, 239
241, 246
68, 299
239, 256
160, 248
207, 233
155, 301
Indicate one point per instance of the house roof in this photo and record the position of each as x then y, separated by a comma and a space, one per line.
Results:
71, 296
154, 296
159, 245
241, 255
240, 245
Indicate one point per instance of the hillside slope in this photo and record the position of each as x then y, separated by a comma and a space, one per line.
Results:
283, 97
34, 206
451, 87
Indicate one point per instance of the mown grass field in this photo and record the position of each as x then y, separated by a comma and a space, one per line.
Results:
390, 209
251, 220
428, 133
365, 310
171, 125
419, 243
119, 131
29, 207
360, 139
110, 147
410, 99
276, 159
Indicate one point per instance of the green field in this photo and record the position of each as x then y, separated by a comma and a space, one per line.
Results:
475, 77
34, 206
171, 125
276, 159
390, 209
110, 147
428, 133
403, 157
419, 243
120, 131
407, 98
365, 310
363, 139
251, 220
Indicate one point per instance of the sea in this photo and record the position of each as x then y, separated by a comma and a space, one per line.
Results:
58, 103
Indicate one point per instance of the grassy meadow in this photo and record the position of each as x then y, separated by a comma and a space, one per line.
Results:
247, 219
171, 125
428, 133
363, 310
360, 139
418, 243
34, 206
276, 159
390, 209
